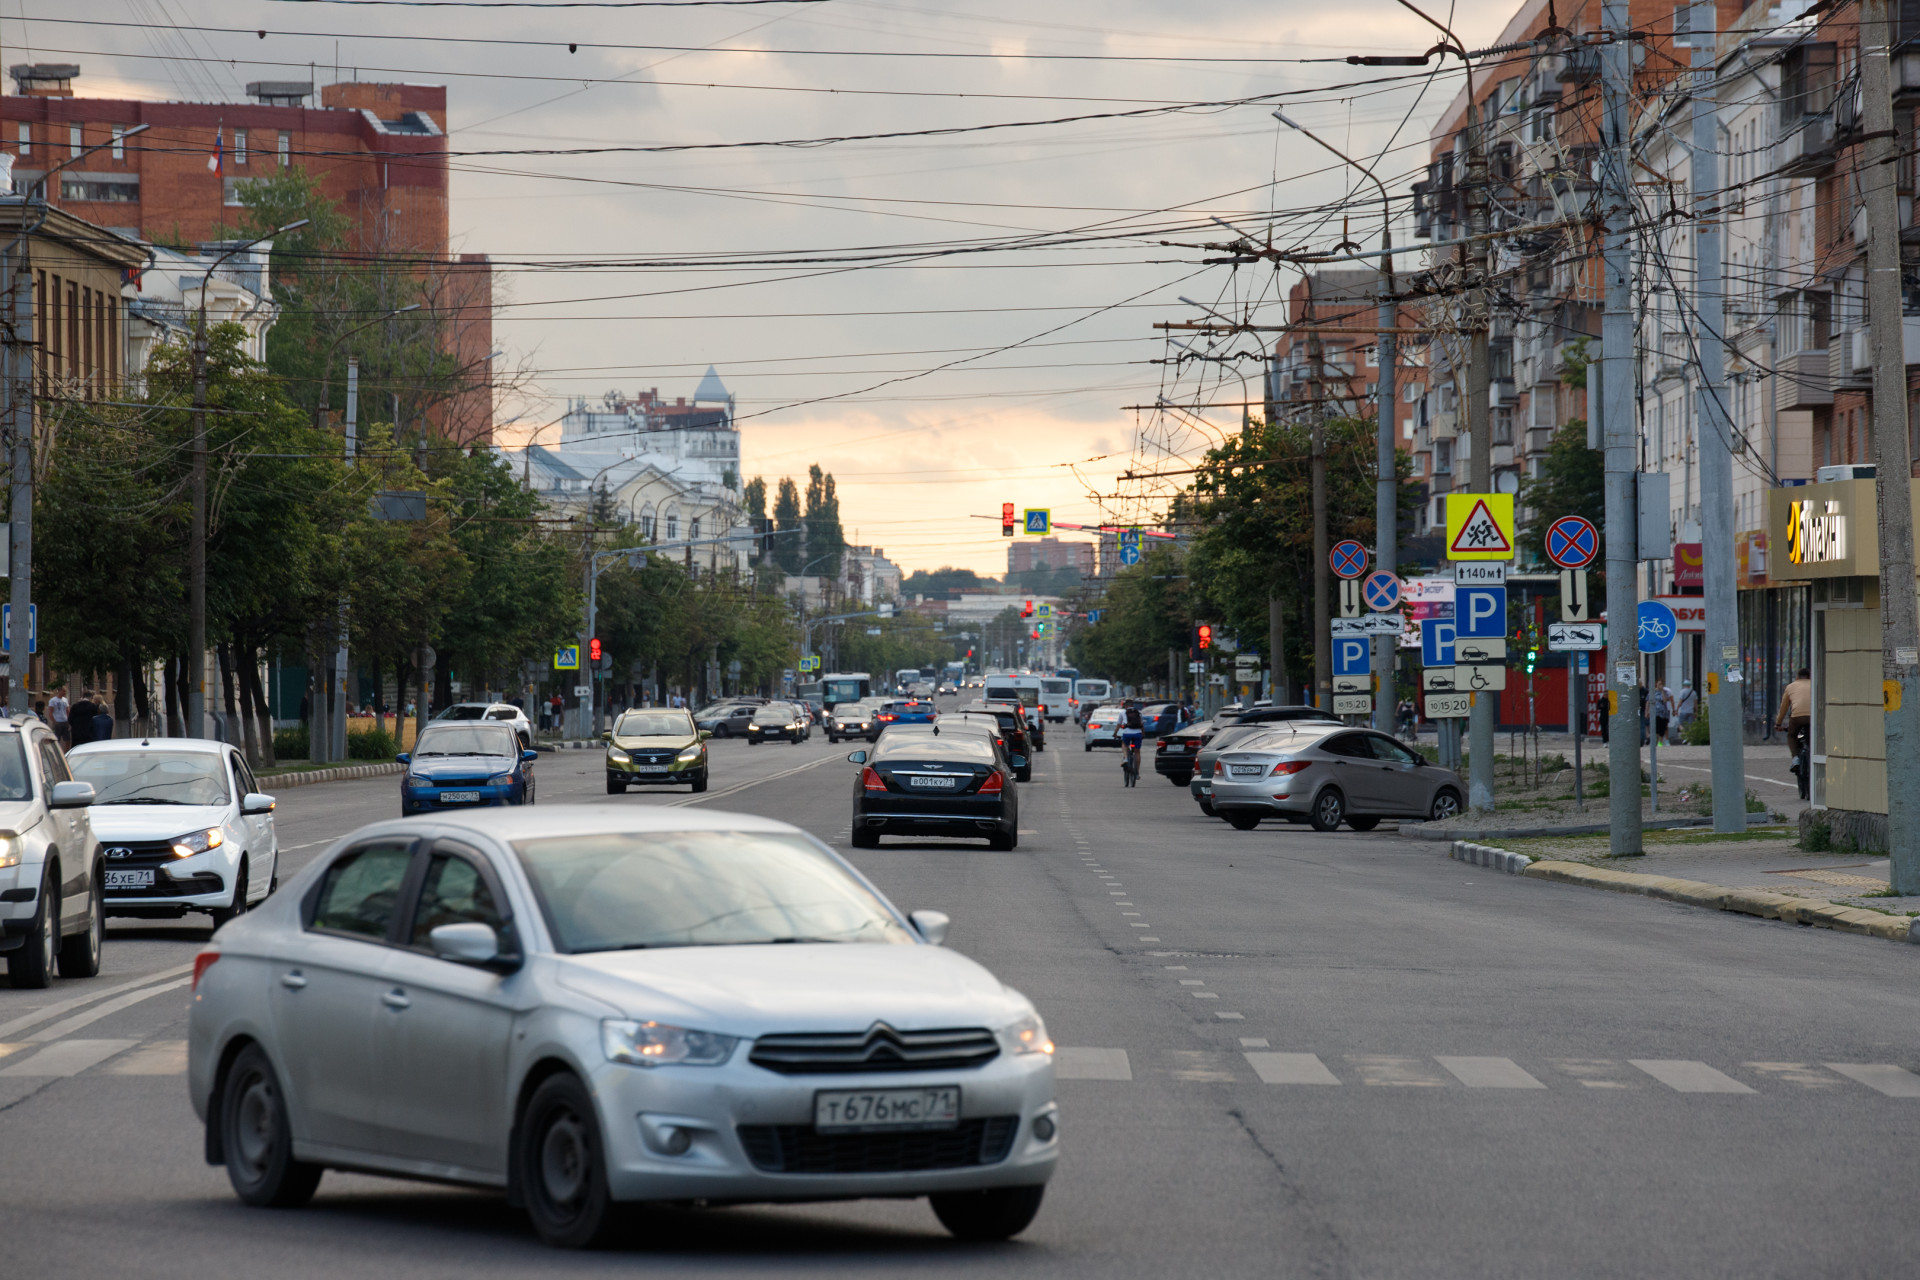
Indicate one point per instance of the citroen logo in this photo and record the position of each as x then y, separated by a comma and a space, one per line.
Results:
119, 851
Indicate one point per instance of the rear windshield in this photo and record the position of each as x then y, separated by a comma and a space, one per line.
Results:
922, 745
654, 724
463, 713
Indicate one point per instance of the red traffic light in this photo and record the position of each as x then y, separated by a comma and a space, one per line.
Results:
1026, 610
593, 649
1206, 636
1006, 520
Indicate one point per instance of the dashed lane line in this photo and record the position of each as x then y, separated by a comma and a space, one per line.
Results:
68, 1058
752, 782
58, 1007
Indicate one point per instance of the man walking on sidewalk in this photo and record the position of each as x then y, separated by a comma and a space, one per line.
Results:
57, 711
1796, 714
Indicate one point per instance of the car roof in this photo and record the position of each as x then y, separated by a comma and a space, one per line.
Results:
525, 822
208, 745
1300, 730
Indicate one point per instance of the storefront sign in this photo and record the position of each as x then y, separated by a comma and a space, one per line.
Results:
1822, 530
1688, 565
1816, 532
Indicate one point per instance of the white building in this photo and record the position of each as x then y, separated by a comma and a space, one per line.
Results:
163, 303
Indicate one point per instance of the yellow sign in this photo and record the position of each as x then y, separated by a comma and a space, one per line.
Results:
1480, 526
1816, 532
1890, 694
1713, 683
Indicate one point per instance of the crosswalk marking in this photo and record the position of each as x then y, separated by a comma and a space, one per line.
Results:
155, 1058
1394, 1072
1489, 1073
1091, 1064
1689, 1077
67, 1058
1805, 1075
1290, 1068
1895, 1082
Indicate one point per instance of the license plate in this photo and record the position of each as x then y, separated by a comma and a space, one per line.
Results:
460, 797
879, 1110
1245, 770
651, 768
129, 879
1175, 749
938, 783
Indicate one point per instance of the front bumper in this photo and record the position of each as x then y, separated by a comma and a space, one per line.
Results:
745, 1124
428, 799
633, 771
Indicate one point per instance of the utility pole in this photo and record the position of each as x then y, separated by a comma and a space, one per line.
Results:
1893, 462
196, 543
1317, 472
338, 724
19, 372
1476, 258
1618, 432
1722, 640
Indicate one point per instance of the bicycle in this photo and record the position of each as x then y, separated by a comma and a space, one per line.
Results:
1130, 757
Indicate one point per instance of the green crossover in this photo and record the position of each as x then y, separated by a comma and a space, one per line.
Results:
655, 745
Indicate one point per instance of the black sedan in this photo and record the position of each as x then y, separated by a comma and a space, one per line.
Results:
776, 720
921, 784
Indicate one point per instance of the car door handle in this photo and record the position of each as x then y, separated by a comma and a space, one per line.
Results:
396, 999
293, 980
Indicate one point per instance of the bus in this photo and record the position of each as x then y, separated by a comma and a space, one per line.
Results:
905, 678
845, 686
1056, 695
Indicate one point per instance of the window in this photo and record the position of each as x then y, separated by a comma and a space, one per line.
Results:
286, 150
26, 139
102, 188
361, 891
239, 146
52, 763
119, 142
1353, 745
1389, 750
15, 784
73, 142
693, 527
454, 892
673, 524
1503, 426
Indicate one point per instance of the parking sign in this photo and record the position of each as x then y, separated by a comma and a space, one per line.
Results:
1351, 655
1436, 642
1480, 612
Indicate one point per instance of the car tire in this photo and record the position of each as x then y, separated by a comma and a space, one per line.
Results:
700, 783
31, 967
1241, 820
1023, 775
1329, 810
1002, 841
1179, 780
1089, 748
998, 1213
1207, 809
80, 954
562, 1166
616, 788
861, 838
721, 731
258, 1140
239, 908
832, 739
1446, 804
1363, 824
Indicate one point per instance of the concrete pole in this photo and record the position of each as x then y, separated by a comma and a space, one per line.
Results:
20, 361
1386, 501
1893, 462
338, 725
1720, 698
1486, 710
1317, 472
1618, 432
196, 542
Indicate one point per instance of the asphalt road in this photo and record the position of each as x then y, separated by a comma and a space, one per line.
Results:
1283, 1053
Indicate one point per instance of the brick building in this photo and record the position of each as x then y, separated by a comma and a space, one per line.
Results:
1024, 555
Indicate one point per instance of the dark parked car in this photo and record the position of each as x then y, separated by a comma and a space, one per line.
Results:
1173, 758
923, 784
778, 720
1012, 719
466, 766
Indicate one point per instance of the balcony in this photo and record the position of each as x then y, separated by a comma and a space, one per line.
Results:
1861, 356
1802, 383
1841, 370
1858, 226
1500, 393
1808, 149
1445, 426
1905, 74
1544, 86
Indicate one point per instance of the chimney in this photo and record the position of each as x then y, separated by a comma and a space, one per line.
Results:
44, 79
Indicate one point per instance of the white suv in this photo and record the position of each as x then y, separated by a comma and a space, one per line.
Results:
50, 864
182, 825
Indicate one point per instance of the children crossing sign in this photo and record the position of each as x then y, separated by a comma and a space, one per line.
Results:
1479, 526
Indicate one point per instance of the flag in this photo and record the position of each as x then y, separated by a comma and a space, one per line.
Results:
216, 162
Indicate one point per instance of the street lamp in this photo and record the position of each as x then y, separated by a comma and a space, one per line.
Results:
197, 541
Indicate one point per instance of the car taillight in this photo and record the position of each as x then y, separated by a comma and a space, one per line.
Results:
201, 963
1289, 766
871, 780
991, 787
1219, 767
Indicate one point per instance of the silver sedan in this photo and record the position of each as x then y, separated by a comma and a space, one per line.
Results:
598, 1006
1327, 774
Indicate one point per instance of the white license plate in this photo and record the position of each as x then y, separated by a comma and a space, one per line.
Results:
651, 768
937, 783
1245, 770
878, 1110
460, 797
129, 879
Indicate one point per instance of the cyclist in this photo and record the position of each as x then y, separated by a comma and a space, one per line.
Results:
1132, 733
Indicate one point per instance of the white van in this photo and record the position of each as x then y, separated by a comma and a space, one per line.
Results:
1056, 695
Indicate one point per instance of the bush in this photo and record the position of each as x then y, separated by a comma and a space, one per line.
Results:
1695, 732
373, 744
290, 744
1819, 837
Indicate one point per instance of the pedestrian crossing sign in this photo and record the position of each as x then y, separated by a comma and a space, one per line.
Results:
1479, 526
1039, 521
566, 658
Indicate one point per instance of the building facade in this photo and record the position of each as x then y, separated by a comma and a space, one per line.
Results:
1027, 554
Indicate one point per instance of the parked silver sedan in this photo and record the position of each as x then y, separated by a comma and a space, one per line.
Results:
592, 1006
1326, 774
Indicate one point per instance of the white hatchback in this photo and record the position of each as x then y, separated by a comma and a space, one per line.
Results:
1103, 727
182, 826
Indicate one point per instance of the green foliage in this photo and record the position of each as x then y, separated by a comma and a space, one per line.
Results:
1146, 613
789, 545
291, 744
372, 744
754, 497
943, 583
1572, 482
825, 539
1695, 732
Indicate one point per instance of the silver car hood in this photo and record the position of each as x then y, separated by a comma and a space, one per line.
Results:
20, 815
755, 990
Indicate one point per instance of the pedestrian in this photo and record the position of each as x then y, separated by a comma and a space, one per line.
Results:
1662, 708
1685, 707
58, 712
1795, 716
556, 710
80, 720
102, 721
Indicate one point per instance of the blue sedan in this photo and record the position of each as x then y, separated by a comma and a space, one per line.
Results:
906, 711
466, 766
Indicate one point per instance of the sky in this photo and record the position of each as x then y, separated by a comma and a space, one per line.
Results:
956, 320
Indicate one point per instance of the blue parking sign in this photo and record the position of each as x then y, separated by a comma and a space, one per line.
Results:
1436, 642
1352, 656
1480, 612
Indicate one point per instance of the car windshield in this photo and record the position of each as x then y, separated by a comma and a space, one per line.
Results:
145, 776
632, 890
774, 713
654, 724
14, 782
476, 741
463, 713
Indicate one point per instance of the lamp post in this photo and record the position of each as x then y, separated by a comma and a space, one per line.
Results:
197, 539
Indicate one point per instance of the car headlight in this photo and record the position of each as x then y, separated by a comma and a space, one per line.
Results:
653, 1044
198, 842
1029, 1035
689, 755
500, 780
9, 850
617, 756
417, 782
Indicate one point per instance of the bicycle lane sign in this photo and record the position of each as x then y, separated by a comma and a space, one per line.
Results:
1658, 626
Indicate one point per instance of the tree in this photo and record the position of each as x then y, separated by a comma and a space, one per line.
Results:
754, 496
789, 550
825, 540
1147, 611
943, 583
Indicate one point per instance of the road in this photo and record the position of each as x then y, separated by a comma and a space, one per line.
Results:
1283, 1053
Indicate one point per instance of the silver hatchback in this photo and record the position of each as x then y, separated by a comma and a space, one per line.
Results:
1326, 774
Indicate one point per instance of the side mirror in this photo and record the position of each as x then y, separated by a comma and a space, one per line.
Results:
405, 757
856, 757
529, 755
705, 734
933, 925
468, 942
254, 802
70, 795
606, 735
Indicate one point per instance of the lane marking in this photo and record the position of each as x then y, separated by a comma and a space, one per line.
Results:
68, 1058
1253, 1042
1290, 1068
155, 1058
1895, 1082
1192, 982
1683, 1076
1229, 1017
1489, 1073
1395, 1072
1204, 995
753, 782
59, 1007
68, 1026
1091, 1064
1806, 1075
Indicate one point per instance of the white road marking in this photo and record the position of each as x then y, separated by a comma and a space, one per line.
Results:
1253, 1042
1393, 1071
1192, 982
1290, 1068
68, 1026
1689, 1077
1489, 1073
742, 786
155, 1058
1895, 1082
59, 1007
1229, 1017
1091, 1064
1135, 924
68, 1058
1145, 939
1180, 967
1204, 995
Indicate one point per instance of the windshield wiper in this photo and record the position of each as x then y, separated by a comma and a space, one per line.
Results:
144, 800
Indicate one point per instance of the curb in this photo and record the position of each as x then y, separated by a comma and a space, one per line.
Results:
1485, 855
345, 773
1414, 831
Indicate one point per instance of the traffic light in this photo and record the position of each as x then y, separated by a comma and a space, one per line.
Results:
1204, 635
593, 649
1026, 611
1006, 520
